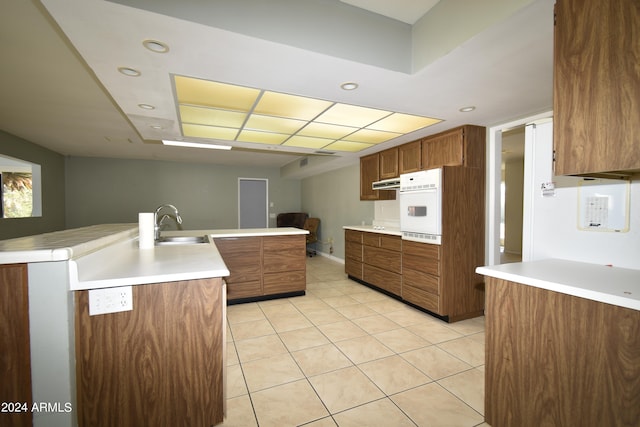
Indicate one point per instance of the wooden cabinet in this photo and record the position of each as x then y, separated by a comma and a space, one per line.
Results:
421, 275
382, 261
596, 84
283, 264
463, 146
370, 173
353, 253
15, 366
243, 257
558, 360
264, 266
410, 157
158, 364
389, 163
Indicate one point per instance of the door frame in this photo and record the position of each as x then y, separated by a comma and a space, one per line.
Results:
493, 178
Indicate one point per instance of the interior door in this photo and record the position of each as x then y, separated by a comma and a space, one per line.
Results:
253, 203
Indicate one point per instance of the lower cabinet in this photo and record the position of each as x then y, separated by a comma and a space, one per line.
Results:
559, 360
158, 364
15, 366
264, 266
436, 278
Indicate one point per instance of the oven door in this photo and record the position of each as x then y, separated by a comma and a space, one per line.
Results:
420, 214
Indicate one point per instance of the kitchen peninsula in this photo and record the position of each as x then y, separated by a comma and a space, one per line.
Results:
562, 344
115, 368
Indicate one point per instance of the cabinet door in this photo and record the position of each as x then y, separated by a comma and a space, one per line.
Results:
14, 329
242, 256
410, 157
596, 84
389, 163
369, 173
444, 149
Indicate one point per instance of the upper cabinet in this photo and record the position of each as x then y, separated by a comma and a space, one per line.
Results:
410, 157
596, 85
462, 146
370, 173
389, 163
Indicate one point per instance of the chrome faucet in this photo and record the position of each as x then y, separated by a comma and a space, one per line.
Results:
159, 223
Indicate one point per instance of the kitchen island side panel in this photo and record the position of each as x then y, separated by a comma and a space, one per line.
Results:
158, 364
557, 359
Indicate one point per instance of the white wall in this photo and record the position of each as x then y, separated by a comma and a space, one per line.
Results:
551, 223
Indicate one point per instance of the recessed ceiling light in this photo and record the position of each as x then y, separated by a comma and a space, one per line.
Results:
128, 71
467, 109
349, 86
146, 106
196, 145
155, 46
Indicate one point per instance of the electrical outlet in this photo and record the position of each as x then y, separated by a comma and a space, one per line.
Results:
110, 300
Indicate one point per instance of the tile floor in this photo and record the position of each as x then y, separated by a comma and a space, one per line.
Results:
346, 355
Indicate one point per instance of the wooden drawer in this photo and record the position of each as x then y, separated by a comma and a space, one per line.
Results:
353, 250
422, 257
383, 279
386, 258
386, 241
353, 236
421, 298
420, 280
237, 246
288, 281
283, 260
243, 289
283, 243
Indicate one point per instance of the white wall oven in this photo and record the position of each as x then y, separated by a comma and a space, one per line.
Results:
421, 206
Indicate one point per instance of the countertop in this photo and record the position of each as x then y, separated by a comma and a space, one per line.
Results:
108, 255
374, 229
611, 285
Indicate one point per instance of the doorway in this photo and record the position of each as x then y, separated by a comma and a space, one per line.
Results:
494, 200
253, 202
511, 194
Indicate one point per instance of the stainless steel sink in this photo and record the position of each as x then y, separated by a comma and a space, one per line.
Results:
181, 240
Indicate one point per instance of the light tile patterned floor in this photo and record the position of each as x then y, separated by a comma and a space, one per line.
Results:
346, 355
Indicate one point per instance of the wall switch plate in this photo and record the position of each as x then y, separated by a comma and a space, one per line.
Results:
110, 300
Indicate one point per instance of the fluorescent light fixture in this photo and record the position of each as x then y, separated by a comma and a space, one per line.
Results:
196, 145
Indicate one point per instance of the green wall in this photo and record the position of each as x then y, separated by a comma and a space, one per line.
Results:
101, 190
334, 197
53, 188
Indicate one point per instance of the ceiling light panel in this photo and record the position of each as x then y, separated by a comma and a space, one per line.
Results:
307, 142
213, 94
211, 117
403, 123
351, 115
262, 137
290, 106
274, 124
221, 111
371, 136
209, 132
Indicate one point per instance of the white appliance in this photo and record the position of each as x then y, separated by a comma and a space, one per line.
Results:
421, 206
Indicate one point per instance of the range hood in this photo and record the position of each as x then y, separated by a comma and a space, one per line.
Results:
386, 184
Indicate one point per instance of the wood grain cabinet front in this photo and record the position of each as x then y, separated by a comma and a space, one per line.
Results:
353, 253
421, 275
160, 364
596, 82
243, 257
382, 261
462, 146
370, 173
284, 264
15, 360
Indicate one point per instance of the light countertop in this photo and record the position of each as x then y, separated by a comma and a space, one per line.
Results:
611, 285
374, 229
108, 255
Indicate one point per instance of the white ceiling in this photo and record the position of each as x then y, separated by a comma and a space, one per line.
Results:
408, 11
60, 88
